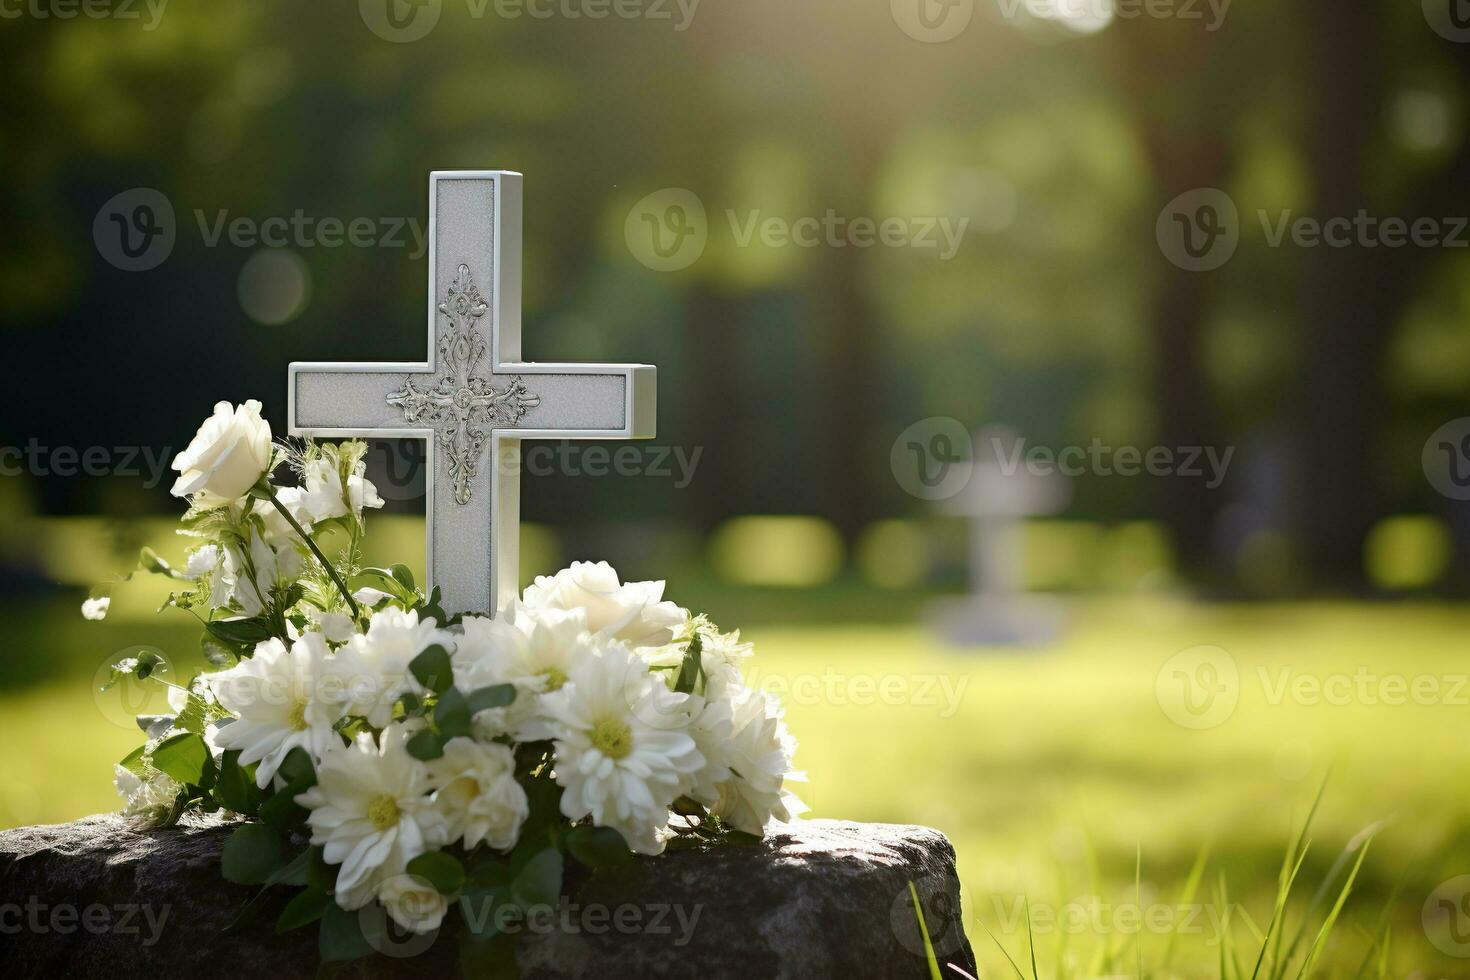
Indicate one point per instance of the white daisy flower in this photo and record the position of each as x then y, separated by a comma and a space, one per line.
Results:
282, 699
711, 731
413, 903
379, 660
477, 792
621, 755
634, 612
533, 650
371, 813
759, 756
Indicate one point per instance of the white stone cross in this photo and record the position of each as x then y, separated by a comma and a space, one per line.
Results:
459, 402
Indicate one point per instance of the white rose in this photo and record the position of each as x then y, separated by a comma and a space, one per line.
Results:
634, 612
413, 903
229, 454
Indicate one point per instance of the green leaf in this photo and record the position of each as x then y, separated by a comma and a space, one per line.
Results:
425, 746
298, 770
403, 576
240, 633
134, 762
295, 872
182, 756
235, 788
452, 714
192, 718
341, 936
251, 855
692, 667
539, 882
494, 696
305, 908
154, 725
598, 848
431, 669
215, 652
439, 869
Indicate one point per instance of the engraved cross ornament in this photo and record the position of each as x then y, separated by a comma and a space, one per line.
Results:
474, 400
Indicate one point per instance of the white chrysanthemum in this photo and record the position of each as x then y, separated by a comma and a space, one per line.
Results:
621, 754
371, 813
759, 756
278, 530
379, 661
338, 627
95, 609
201, 562
324, 498
274, 568
533, 650
413, 903
146, 802
711, 731
477, 792
282, 699
634, 612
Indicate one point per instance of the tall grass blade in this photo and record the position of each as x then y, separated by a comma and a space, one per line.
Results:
1320, 943
1186, 898
934, 973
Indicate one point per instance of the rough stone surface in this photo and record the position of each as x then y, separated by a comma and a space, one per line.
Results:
821, 898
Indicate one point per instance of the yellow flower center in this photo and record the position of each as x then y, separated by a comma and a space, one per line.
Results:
555, 678
383, 812
612, 738
298, 717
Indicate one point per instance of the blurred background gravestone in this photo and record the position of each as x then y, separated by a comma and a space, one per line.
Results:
1004, 489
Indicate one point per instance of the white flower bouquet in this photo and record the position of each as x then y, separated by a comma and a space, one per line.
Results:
376, 749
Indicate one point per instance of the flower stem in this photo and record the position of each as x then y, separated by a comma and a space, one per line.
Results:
332, 571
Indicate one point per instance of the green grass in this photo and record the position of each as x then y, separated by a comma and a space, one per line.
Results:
1056, 774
